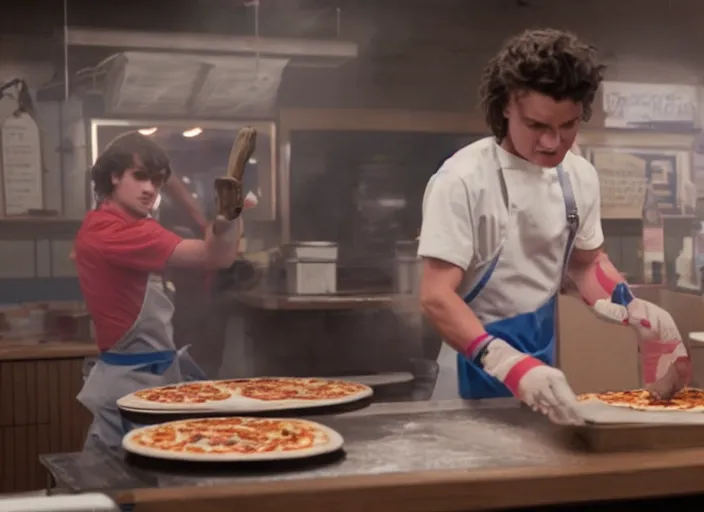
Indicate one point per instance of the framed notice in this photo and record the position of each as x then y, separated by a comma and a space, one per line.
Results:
623, 181
21, 165
698, 164
631, 177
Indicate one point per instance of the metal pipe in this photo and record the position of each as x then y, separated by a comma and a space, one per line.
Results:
66, 75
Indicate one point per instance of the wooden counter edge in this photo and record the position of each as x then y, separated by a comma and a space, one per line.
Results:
605, 477
10, 351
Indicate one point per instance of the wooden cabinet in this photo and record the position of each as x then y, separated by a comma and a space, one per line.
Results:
39, 412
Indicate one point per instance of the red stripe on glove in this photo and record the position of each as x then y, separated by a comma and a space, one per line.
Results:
515, 374
469, 351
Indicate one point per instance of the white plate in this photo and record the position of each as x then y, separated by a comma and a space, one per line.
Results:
335, 442
167, 411
238, 403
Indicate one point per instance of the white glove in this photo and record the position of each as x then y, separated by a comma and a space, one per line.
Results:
541, 387
664, 361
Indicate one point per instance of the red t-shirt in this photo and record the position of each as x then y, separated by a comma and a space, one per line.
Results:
114, 255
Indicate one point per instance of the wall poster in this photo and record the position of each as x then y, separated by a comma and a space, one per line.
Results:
643, 184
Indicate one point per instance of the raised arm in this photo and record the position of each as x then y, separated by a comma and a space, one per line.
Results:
665, 365
146, 245
177, 191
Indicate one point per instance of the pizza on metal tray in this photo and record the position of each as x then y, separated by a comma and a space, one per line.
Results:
689, 399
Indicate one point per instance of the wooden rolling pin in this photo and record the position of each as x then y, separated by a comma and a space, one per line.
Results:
229, 200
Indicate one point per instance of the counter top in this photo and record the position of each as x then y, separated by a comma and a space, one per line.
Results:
419, 456
274, 302
348, 300
18, 351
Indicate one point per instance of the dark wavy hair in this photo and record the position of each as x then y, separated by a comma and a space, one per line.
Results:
120, 155
551, 62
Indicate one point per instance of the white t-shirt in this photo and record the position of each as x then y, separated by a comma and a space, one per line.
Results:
465, 221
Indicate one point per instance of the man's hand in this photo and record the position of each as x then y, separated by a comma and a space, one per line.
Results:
223, 229
541, 387
665, 364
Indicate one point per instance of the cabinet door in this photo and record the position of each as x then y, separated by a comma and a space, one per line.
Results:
595, 355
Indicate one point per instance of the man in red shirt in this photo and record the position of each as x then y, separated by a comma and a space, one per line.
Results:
120, 254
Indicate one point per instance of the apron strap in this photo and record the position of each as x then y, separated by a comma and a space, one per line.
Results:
485, 279
572, 216
137, 358
492, 264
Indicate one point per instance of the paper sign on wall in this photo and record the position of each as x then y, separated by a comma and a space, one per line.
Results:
21, 165
633, 105
623, 182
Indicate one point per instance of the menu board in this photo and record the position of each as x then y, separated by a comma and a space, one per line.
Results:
639, 105
21, 165
623, 181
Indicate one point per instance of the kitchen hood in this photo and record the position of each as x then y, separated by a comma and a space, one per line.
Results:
171, 84
201, 75
301, 52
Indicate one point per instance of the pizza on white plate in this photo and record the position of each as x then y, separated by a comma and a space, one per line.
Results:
688, 400
258, 393
233, 439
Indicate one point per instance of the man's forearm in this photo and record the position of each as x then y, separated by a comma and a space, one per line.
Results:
595, 280
453, 318
222, 250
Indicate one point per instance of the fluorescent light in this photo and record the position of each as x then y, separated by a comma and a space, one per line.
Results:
193, 132
148, 131
253, 161
186, 180
195, 196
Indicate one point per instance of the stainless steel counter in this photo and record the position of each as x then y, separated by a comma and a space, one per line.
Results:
384, 438
330, 302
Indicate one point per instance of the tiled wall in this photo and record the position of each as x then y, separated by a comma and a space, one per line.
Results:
34, 254
34, 261
37, 270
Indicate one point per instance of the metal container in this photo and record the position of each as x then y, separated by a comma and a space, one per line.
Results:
310, 250
311, 276
407, 273
407, 268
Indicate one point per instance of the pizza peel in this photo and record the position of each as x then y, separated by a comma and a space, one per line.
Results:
599, 413
229, 200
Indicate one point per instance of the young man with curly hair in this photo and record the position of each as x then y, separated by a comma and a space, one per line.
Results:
506, 218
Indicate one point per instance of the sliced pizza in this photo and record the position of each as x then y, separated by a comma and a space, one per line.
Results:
186, 393
295, 388
688, 399
241, 439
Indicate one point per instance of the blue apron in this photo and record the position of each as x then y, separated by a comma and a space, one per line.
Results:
531, 333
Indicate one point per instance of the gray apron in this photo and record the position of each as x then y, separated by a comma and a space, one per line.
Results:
145, 357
